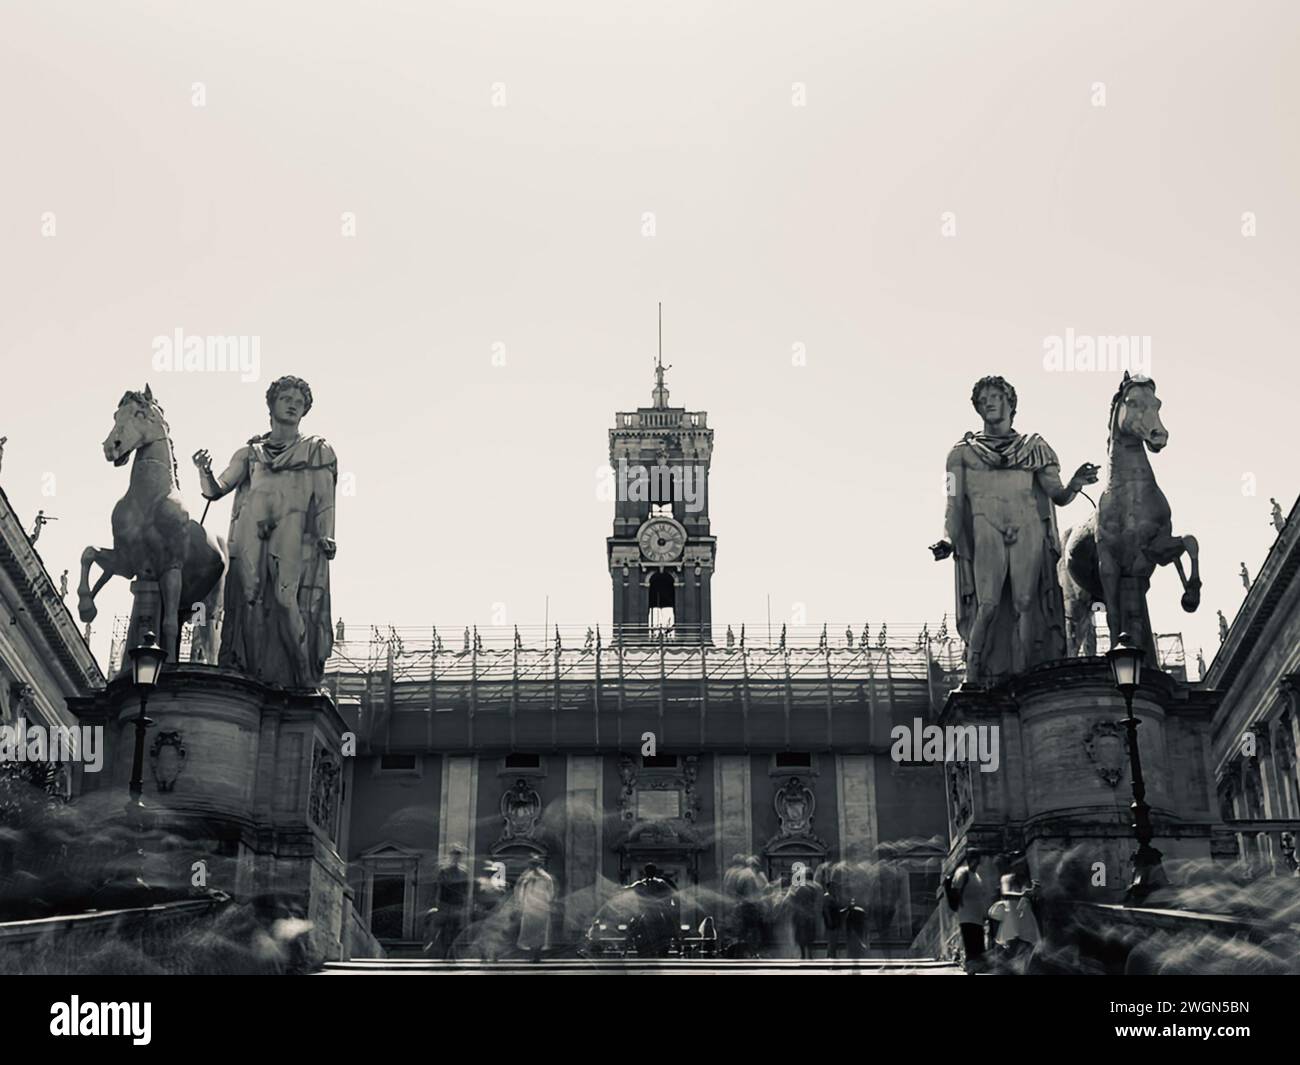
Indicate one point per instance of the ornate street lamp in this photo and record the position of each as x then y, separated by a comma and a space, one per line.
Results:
146, 664
1126, 671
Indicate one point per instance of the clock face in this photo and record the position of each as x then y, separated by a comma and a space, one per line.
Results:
661, 540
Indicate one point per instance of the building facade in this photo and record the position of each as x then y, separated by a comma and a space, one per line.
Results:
1256, 728
656, 739
43, 658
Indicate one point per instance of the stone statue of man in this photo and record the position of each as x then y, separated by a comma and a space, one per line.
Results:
1003, 488
277, 606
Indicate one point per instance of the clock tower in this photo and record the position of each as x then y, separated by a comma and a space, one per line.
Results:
661, 553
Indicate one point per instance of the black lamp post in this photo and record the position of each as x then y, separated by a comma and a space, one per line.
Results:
146, 664
1126, 670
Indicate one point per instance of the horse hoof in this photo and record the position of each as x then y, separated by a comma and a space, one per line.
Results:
86, 609
1191, 600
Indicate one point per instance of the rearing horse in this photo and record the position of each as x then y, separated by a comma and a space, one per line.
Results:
1111, 556
154, 537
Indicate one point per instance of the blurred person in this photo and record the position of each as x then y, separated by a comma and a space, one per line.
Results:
749, 887
971, 884
1066, 946
451, 894
657, 921
803, 900
534, 896
1012, 925
490, 892
857, 916
836, 901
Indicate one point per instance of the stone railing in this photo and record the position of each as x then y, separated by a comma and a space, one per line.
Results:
358, 940
135, 940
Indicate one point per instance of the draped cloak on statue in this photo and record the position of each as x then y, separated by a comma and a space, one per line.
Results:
1015, 452
252, 638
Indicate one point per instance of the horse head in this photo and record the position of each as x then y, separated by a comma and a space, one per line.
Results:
138, 421
1135, 411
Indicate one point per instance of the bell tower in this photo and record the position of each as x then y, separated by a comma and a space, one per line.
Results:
661, 554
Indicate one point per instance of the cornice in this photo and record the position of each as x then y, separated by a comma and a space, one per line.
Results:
44, 605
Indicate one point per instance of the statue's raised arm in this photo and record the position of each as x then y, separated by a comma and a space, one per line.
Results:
213, 487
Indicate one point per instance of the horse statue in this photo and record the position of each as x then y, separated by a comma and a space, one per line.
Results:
154, 537
1111, 556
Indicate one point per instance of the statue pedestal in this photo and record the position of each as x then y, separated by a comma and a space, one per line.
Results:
1063, 780
242, 784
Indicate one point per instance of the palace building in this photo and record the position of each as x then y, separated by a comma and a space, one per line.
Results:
514, 746
1256, 728
43, 658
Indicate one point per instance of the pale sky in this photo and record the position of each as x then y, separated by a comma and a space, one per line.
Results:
775, 225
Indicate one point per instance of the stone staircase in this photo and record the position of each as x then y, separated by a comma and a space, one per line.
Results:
643, 967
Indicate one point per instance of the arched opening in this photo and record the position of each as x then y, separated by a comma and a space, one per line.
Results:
663, 603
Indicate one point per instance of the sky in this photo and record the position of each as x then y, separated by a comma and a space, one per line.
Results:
456, 222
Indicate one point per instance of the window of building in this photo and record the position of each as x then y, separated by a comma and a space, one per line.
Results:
523, 761
398, 765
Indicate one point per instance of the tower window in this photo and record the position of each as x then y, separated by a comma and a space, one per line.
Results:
523, 761
663, 602
793, 760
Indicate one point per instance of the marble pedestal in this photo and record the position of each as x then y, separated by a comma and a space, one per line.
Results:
242, 784
1063, 780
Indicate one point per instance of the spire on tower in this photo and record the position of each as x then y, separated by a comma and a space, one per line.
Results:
660, 393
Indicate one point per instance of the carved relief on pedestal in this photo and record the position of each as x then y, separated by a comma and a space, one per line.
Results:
167, 759
322, 807
960, 799
1107, 748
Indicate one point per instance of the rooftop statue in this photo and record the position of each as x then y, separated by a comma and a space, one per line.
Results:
1003, 488
1111, 556
154, 537
277, 616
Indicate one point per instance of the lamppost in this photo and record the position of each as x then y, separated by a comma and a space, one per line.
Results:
146, 664
1126, 670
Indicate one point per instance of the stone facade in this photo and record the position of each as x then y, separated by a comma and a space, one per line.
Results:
602, 815
1257, 728
43, 658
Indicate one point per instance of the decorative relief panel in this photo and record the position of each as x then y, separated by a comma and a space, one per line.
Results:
521, 813
167, 759
326, 774
960, 800
1107, 748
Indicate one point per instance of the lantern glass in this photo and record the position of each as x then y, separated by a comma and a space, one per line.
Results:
1125, 664
146, 662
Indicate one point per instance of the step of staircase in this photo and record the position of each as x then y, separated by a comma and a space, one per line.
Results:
643, 966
